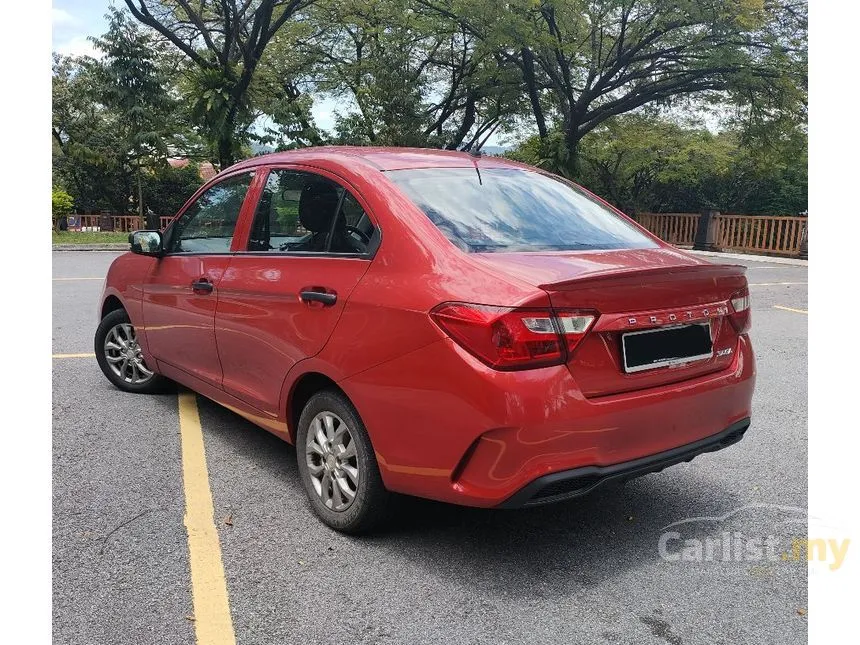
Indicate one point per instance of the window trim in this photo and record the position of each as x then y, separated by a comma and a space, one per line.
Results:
375, 241
338, 212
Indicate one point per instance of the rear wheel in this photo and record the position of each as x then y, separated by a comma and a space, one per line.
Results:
119, 356
337, 465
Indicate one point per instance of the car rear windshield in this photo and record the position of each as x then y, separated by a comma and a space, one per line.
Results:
484, 210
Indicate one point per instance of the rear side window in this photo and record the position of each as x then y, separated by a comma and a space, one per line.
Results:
510, 209
276, 223
300, 212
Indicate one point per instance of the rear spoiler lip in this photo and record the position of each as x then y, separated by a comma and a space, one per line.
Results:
669, 273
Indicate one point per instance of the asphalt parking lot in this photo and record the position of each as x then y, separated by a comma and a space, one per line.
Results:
587, 571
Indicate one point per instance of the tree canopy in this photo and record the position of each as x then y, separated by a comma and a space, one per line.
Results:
591, 89
223, 43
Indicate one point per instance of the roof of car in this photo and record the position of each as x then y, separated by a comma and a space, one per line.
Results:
381, 158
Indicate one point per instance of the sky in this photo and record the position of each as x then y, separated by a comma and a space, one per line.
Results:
73, 21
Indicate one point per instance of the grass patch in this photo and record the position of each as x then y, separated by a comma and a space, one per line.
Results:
88, 237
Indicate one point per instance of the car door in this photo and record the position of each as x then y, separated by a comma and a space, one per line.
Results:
181, 292
309, 244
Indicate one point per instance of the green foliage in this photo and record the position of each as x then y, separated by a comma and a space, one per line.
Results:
408, 75
112, 117
88, 154
212, 102
644, 163
287, 216
61, 202
583, 63
595, 80
372, 54
131, 81
166, 189
221, 45
550, 153
281, 86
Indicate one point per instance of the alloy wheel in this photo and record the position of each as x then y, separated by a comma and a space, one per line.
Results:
123, 355
332, 461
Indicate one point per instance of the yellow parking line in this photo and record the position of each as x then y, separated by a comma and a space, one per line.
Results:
73, 279
213, 624
797, 311
73, 355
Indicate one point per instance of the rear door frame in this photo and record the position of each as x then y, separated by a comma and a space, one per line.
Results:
241, 239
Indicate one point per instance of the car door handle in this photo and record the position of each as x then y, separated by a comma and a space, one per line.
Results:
202, 285
326, 298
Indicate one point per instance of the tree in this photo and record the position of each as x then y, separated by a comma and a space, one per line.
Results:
593, 78
166, 189
582, 63
642, 162
61, 203
134, 86
375, 54
412, 77
623, 158
223, 42
88, 153
116, 118
282, 88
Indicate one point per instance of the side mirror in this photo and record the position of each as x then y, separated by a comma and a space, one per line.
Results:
147, 243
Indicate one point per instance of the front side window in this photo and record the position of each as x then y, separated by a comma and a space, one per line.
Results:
207, 225
509, 209
303, 212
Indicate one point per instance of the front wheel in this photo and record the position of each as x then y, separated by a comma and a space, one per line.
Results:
337, 465
119, 356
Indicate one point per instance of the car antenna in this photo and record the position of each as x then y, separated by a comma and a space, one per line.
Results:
475, 154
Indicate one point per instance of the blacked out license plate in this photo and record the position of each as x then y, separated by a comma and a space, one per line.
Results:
666, 346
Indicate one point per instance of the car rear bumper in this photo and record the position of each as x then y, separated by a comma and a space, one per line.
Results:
446, 427
577, 482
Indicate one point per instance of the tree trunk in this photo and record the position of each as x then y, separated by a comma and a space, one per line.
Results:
140, 213
225, 151
571, 141
531, 87
466, 125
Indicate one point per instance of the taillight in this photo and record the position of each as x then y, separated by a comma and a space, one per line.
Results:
740, 316
508, 338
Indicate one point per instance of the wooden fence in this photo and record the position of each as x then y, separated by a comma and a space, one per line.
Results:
760, 234
121, 223
675, 228
765, 234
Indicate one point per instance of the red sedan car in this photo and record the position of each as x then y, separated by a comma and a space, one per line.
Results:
439, 324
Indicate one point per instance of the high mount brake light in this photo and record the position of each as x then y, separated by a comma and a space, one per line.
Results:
507, 338
740, 316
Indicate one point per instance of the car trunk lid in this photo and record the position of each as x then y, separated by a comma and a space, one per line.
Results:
634, 291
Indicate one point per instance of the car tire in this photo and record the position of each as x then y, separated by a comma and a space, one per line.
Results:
115, 336
329, 473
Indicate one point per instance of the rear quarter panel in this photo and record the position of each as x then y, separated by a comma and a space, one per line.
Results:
414, 269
